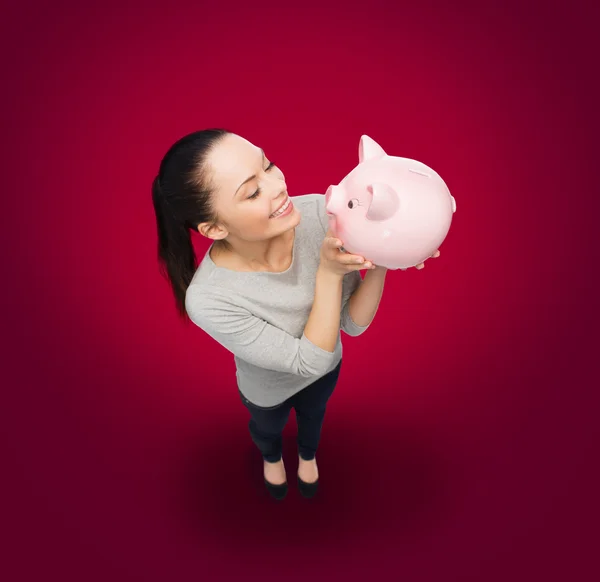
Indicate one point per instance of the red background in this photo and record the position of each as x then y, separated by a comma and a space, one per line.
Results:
462, 439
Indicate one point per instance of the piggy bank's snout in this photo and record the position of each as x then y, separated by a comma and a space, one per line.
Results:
328, 195
332, 201
327, 200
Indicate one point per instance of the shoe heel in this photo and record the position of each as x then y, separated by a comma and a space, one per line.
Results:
308, 490
277, 491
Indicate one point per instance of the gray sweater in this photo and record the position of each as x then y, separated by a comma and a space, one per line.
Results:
260, 316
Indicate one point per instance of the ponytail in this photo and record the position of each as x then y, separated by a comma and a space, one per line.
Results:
176, 255
182, 200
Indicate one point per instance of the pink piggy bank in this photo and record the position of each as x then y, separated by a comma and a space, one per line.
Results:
393, 211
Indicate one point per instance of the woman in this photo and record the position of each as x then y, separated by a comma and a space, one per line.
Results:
274, 288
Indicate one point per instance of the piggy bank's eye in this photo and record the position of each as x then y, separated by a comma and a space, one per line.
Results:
353, 203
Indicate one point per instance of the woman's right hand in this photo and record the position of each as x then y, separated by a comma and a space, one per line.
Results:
337, 262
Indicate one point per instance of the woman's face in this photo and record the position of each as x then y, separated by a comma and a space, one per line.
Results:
248, 190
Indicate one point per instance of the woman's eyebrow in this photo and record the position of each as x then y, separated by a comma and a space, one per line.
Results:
251, 177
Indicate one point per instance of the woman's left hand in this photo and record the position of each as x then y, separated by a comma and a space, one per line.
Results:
434, 256
418, 267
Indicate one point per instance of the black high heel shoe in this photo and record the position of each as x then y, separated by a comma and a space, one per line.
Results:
276, 491
308, 490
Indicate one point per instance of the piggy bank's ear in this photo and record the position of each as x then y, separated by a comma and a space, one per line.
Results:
369, 149
385, 202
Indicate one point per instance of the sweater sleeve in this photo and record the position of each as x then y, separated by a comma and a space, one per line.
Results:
351, 282
253, 339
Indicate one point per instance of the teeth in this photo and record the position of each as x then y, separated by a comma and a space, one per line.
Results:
282, 209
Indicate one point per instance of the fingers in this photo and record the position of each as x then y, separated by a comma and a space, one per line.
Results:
348, 259
338, 254
354, 261
333, 242
434, 256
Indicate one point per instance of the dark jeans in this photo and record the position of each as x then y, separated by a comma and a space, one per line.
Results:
266, 424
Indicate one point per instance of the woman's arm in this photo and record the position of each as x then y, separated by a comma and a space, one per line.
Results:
364, 302
323, 325
360, 297
262, 344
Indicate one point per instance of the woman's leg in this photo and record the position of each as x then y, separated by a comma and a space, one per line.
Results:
266, 427
310, 405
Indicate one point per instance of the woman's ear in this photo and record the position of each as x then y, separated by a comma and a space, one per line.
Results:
212, 231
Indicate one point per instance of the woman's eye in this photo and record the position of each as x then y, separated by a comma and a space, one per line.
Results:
257, 193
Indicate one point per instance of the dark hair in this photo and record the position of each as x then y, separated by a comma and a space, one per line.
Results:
182, 198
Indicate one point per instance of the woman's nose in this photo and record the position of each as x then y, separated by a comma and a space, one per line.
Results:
278, 186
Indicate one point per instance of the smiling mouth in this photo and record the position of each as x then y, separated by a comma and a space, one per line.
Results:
282, 208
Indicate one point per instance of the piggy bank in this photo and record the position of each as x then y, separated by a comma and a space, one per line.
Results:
393, 211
